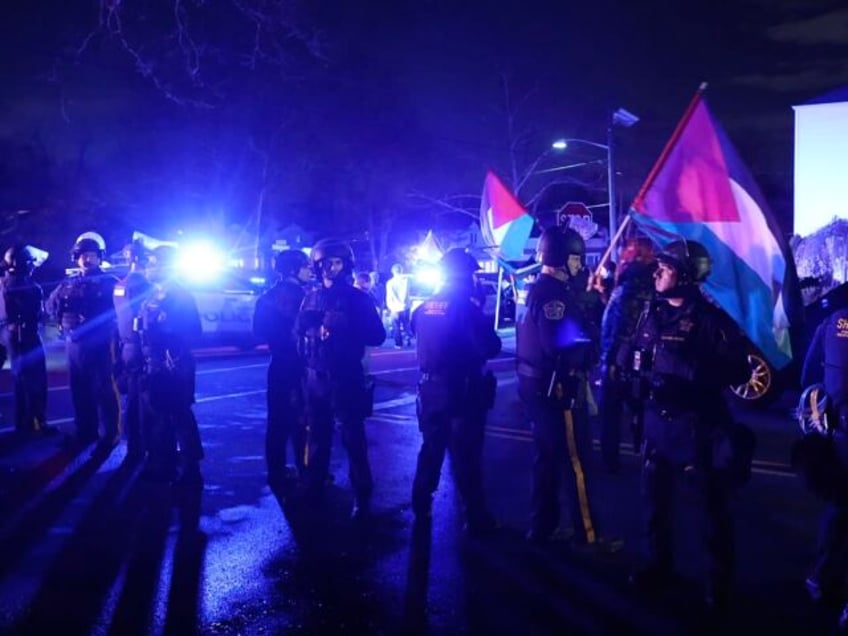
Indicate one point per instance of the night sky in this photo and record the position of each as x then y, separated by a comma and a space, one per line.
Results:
351, 116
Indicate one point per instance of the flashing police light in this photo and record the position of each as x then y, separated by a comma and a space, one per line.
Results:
429, 275
201, 261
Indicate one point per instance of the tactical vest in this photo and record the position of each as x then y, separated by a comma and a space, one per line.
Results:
550, 300
441, 330
666, 353
85, 307
340, 351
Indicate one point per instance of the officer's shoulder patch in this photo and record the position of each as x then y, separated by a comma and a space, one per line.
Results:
554, 309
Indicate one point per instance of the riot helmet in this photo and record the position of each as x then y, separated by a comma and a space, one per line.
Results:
89, 242
556, 245
289, 263
136, 252
162, 263
457, 264
325, 252
689, 259
813, 411
19, 260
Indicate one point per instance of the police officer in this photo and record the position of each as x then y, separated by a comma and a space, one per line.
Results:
169, 324
634, 287
454, 339
554, 354
273, 322
826, 362
129, 294
684, 354
21, 312
82, 305
335, 324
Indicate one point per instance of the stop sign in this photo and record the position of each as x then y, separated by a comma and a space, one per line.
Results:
573, 209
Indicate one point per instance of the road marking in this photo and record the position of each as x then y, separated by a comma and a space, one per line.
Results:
226, 369
65, 387
401, 401
387, 371
760, 466
228, 396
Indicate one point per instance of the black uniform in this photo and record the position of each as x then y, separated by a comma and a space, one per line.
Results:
683, 358
169, 324
335, 324
827, 362
554, 353
454, 339
634, 288
82, 305
128, 296
21, 310
274, 322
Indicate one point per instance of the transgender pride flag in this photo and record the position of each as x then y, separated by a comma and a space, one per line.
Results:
700, 190
505, 225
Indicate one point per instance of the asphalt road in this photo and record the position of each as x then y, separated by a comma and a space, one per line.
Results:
86, 547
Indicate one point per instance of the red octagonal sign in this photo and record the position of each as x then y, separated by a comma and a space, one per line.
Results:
573, 208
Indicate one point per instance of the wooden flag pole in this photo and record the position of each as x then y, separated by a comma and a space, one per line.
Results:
605, 258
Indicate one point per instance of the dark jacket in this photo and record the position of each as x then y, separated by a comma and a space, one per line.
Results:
827, 357
687, 354
334, 325
21, 310
275, 316
128, 296
553, 333
453, 336
634, 288
84, 308
170, 325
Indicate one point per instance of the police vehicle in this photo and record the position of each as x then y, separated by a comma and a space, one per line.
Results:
226, 308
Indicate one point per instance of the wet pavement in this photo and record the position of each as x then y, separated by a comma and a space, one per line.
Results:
87, 547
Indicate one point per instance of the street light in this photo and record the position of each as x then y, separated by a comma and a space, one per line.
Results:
625, 119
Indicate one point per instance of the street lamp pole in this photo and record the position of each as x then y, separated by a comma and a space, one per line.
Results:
613, 216
620, 117
624, 118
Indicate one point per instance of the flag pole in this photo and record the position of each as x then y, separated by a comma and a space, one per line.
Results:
678, 131
498, 296
672, 142
605, 258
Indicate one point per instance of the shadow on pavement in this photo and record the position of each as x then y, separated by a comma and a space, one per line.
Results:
112, 573
417, 578
325, 574
28, 510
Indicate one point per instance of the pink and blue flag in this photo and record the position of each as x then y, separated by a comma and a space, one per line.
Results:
504, 223
700, 190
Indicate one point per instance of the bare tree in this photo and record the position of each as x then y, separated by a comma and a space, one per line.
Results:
523, 160
196, 52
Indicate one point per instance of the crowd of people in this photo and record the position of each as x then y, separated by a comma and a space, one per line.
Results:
662, 351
